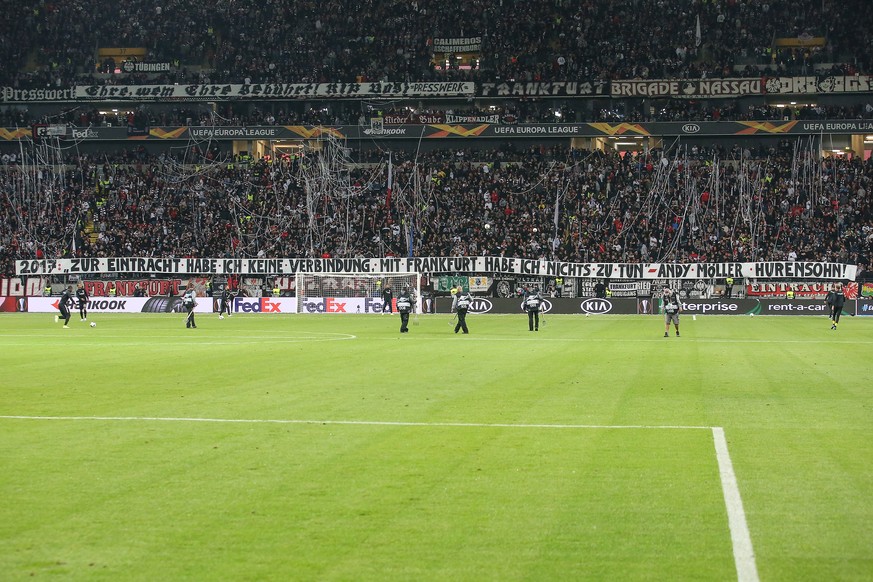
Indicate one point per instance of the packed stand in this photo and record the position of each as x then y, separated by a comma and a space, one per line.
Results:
369, 40
663, 207
686, 204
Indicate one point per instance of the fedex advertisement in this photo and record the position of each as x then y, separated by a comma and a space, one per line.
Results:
263, 305
346, 305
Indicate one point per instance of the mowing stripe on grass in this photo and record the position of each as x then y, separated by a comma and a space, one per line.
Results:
348, 422
185, 337
658, 339
744, 555
741, 541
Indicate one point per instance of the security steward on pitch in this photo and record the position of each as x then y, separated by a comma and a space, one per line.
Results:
532, 303
404, 307
189, 302
672, 307
460, 305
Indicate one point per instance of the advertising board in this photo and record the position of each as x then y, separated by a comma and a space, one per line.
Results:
346, 305
645, 305
121, 305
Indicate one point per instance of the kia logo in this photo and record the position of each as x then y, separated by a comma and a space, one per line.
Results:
480, 305
545, 306
690, 128
594, 305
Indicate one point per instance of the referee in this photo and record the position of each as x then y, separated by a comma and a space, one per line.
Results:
460, 305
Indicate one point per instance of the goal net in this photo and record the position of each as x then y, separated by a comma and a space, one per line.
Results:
336, 293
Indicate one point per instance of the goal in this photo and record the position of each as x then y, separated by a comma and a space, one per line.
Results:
344, 293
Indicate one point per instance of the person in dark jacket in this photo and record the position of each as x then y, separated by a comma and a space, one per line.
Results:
64, 305
838, 301
829, 300
82, 301
387, 299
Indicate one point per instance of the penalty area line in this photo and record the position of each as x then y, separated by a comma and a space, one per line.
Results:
741, 540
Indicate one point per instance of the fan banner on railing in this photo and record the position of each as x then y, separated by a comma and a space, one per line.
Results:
453, 265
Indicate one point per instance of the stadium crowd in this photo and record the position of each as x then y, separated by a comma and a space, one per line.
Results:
345, 41
683, 204
680, 204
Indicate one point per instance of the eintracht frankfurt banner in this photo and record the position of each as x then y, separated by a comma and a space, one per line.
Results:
469, 265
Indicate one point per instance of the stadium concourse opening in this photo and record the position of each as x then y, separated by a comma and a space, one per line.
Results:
247, 151
635, 144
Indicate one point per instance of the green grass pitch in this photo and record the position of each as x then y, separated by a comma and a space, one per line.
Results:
334, 448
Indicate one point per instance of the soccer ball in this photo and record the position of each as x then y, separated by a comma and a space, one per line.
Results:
93, 324
220, 317
487, 226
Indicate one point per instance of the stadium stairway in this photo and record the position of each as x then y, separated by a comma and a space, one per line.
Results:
90, 232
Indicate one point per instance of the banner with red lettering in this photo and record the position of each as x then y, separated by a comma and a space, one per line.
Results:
132, 287
817, 290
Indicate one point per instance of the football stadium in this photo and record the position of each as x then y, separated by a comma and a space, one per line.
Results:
415, 290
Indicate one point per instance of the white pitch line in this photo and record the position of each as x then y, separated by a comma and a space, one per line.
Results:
348, 422
744, 554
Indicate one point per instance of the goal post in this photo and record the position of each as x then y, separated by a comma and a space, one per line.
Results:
352, 293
